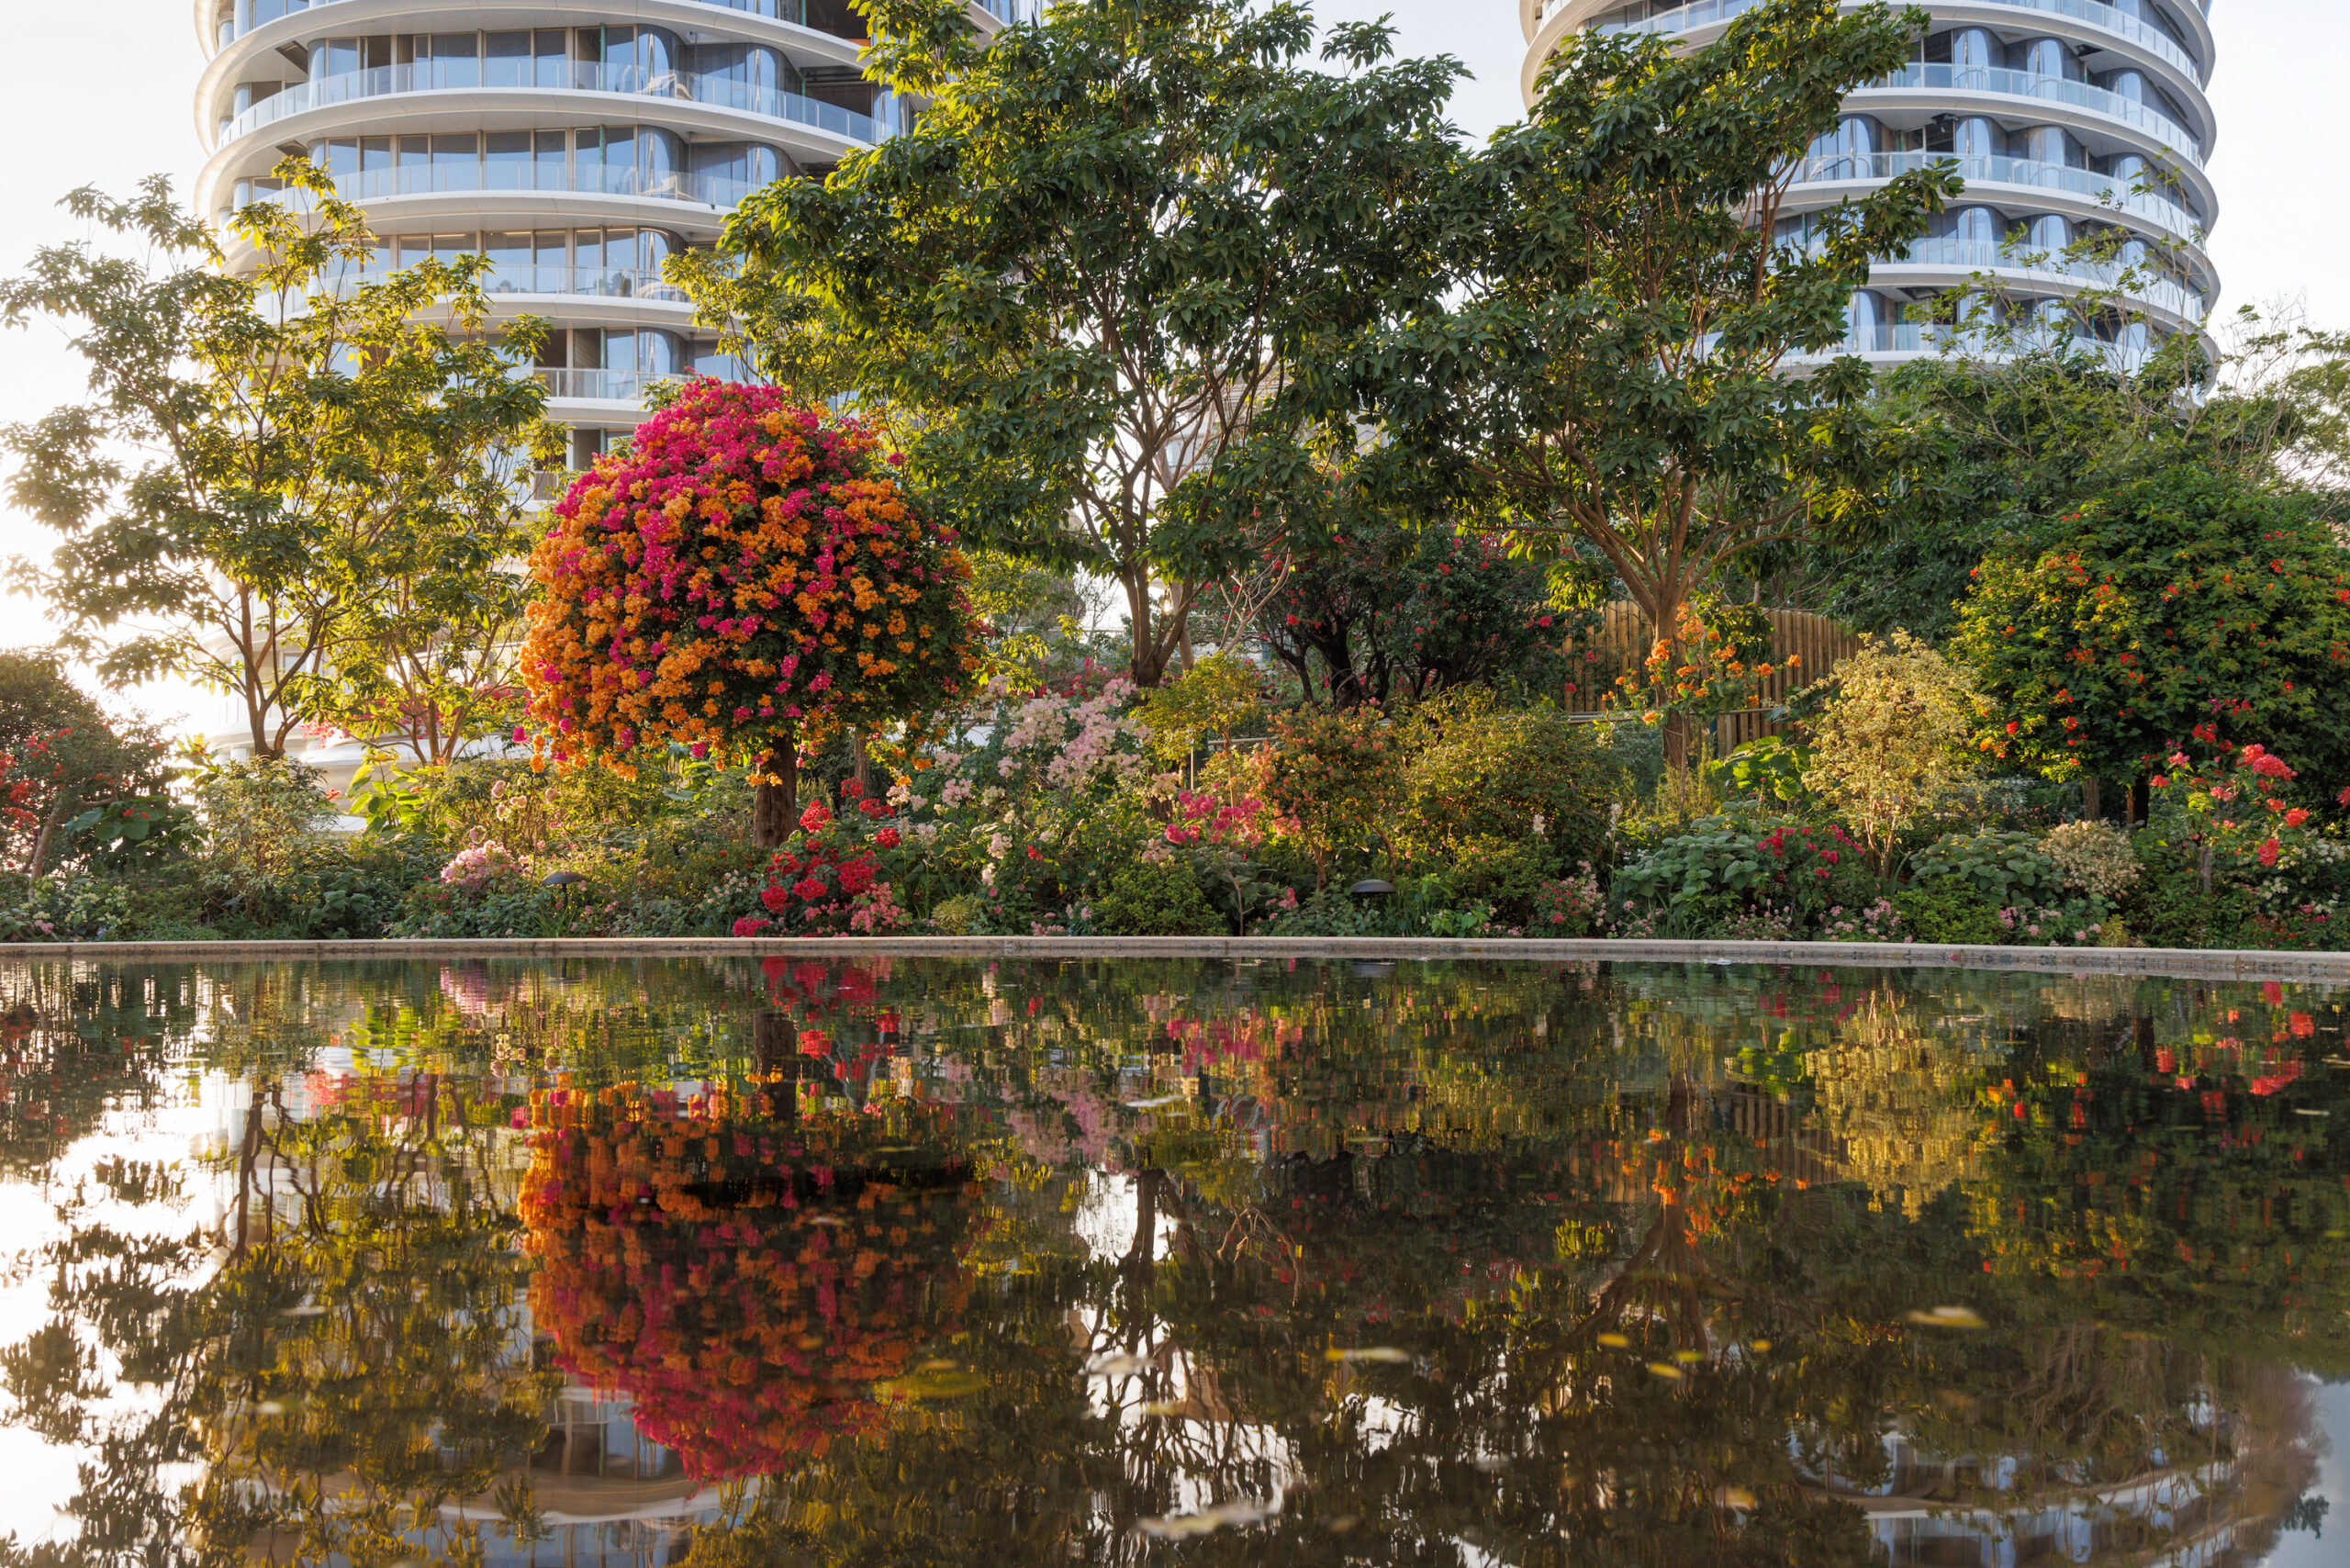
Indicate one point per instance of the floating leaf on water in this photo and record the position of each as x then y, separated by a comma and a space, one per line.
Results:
270, 1407
1665, 1368
1948, 1317
939, 1366
1175, 1527
1490, 1463
1366, 1353
1341, 1523
1163, 1407
1160, 1103
1114, 1366
1760, 1347
824, 1219
2305, 1111
307, 1309
1614, 1341
1688, 1358
1734, 1497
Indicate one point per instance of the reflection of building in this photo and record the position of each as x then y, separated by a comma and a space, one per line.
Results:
2068, 118
579, 144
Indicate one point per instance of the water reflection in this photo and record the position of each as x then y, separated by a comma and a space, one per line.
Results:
866, 1263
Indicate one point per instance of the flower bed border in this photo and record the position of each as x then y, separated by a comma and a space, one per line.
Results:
2181, 962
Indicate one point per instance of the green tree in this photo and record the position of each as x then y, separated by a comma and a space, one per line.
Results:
263, 451
1107, 269
1892, 747
1611, 365
2186, 608
70, 756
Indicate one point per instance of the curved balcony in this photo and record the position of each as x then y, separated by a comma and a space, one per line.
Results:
249, 17
1700, 14
552, 280
446, 179
717, 92
2025, 84
2040, 275
599, 385
2155, 206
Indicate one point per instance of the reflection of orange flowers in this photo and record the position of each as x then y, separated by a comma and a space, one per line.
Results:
747, 1280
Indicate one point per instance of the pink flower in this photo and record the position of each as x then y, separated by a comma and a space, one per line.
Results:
2268, 851
750, 925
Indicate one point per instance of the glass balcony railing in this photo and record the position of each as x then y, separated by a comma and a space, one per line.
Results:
584, 77
2001, 257
602, 386
248, 15
604, 283
2154, 205
425, 179
2046, 89
2107, 18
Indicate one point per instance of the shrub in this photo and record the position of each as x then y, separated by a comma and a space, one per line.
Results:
1950, 909
1328, 913
1148, 900
1339, 776
1568, 906
2093, 858
1477, 776
2006, 867
2186, 605
1724, 869
66, 909
1890, 749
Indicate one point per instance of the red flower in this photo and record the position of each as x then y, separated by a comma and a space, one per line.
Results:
750, 925
857, 876
887, 838
777, 897
809, 889
815, 818
873, 810
2269, 853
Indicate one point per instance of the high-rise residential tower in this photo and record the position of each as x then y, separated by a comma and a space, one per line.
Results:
578, 144
2067, 117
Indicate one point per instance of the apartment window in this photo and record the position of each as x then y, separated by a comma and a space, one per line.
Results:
507, 61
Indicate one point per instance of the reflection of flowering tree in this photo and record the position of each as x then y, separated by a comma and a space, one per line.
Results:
748, 1281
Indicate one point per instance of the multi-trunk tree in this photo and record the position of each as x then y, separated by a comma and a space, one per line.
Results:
274, 449
1627, 352
1105, 275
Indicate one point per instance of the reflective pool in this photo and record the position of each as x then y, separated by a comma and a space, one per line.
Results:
938, 1261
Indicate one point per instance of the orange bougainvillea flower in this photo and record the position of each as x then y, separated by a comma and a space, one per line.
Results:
711, 584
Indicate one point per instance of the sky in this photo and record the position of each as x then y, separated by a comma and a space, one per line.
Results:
2278, 238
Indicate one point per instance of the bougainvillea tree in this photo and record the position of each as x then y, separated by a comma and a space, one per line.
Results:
747, 578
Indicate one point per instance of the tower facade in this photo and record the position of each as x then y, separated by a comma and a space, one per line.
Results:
578, 145
2068, 118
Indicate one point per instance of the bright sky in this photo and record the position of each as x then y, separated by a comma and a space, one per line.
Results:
2278, 236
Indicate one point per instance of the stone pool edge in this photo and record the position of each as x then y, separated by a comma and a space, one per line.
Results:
2180, 962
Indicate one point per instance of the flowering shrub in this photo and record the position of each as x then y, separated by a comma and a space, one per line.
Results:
830, 880
2234, 811
746, 580
477, 865
1721, 868
1570, 906
2093, 858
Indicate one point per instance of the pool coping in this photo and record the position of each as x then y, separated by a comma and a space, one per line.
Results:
2176, 962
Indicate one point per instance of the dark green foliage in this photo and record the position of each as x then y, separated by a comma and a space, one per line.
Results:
1108, 267
1144, 900
1385, 613
2187, 610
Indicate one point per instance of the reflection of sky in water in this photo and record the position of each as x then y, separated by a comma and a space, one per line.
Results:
1371, 1160
2328, 1546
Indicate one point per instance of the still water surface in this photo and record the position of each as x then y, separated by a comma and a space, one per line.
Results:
875, 1263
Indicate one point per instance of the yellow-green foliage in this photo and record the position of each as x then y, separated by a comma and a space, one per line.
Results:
2095, 858
1222, 696
1892, 747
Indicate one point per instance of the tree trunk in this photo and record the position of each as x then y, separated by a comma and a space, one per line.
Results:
777, 799
2141, 804
862, 762
776, 1051
2092, 805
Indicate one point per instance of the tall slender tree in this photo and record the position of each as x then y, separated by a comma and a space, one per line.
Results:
1105, 274
1626, 352
264, 447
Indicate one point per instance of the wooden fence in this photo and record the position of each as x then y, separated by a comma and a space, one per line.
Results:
1817, 643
